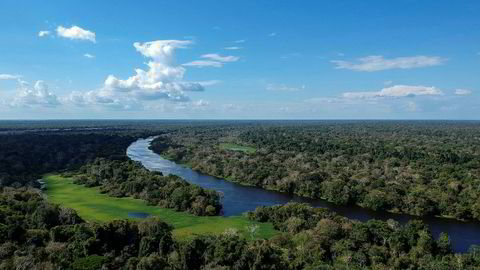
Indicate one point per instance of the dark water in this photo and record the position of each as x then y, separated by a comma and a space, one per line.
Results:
239, 199
138, 215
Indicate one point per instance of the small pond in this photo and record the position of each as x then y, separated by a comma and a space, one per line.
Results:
138, 215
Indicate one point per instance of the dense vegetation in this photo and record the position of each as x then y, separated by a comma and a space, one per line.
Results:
415, 167
92, 206
315, 237
25, 157
38, 235
120, 178
420, 168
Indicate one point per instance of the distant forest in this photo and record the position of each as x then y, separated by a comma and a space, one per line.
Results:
415, 167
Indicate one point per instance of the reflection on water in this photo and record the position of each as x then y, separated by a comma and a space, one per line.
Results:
238, 199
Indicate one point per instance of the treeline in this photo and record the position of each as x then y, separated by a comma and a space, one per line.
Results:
120, 178
35, 234
25, 157
420, 168
315, 237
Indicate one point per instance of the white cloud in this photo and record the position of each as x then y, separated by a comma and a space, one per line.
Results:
231, 107
203, 63
233, 48
89, 98
463, 92
283, 87
219, 58
161, 51
210, 82
43, 33
214, 60
411, 106
76, 32
9, 77
240, 41
162, 80
200, 103
336, 101
324, 100
89, 55
39, 95
272, 34
378, 63
389, 82
395, 91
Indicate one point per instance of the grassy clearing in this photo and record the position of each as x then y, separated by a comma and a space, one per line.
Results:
91, 205
237, 147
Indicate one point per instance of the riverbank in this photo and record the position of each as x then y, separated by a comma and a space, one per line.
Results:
275, 188
238, 199
94, 206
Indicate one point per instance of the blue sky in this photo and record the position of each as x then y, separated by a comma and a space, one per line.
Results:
240, 59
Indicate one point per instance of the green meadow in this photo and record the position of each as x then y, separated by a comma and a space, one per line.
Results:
91, 205
237, 147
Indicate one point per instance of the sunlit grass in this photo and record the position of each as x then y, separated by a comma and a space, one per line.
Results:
237, 147
91, 205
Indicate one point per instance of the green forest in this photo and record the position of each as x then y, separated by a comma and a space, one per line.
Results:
36, 234
422, 168
417, 167
129, 178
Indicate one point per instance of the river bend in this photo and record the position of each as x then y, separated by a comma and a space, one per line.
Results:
238, 199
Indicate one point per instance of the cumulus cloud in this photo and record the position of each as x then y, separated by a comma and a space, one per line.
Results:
76, 32
396, 91
43, 33
283, 88
233, 48
39, 95
162, 80
161, 51
9, 77
89, 98
89, 55
463, 92
378, 63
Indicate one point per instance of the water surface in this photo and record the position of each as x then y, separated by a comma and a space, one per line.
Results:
238, 199
138, 215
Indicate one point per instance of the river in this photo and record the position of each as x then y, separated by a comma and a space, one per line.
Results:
238, 199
